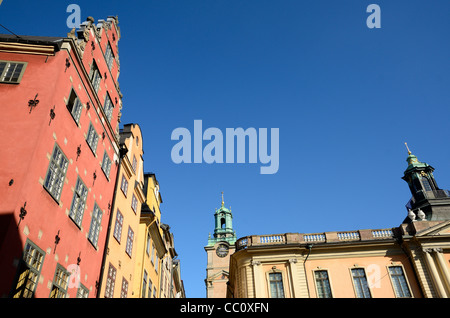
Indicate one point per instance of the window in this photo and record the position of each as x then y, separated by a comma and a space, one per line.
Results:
399, 282
154, 292
82, 292
360, 283
60, 282
92, 138
276, 285
110, 281
323, 284
134, 165
148, 244
130, 238
56, 173
94, 76
124, 185
124, 290
29, 271
94, 229
11, 72
106, 164
134, 203
108, 107
153, 254
78, 202
150, 284
74, 106
109, 56
118, 226
426, 184
144, 284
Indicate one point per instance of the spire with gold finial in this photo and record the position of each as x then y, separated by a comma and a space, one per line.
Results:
223, 203
409, 152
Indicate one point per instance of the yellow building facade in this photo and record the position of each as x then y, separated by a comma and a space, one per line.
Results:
150, 245
119, 262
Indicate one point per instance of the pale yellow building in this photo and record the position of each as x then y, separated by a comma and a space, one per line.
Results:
119, 262
150, 245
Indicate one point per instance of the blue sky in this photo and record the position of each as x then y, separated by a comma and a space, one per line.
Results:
344, 97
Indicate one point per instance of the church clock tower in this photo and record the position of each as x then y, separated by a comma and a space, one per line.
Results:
218, 251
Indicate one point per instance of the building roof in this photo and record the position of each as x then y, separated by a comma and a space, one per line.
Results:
32, 39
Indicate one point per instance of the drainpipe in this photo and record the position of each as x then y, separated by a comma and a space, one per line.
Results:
122, 152
309, 247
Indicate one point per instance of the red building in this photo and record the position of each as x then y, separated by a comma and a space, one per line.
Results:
60, 103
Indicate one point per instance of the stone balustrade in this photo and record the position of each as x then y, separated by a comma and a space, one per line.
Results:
314, 238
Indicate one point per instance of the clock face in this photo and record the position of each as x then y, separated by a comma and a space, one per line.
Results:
222, 250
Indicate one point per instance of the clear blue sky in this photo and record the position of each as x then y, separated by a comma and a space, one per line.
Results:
345, 98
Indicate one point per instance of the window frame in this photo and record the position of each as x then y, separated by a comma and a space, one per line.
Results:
124, 185
72, 215
134, 203
354, 284
118, 226
404, 277
109, 56
94, 227
110, 281
57, 288
321, 280
130, 241
108, 107
25, 270
75, 108
282, 281
60, 174
82, 291
92, 138
106, 164
6, 69
95, 80
124, 288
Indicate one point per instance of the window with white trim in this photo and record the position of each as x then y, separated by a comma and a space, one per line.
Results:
118, 226
56, 173
60, 282
108, 107
94, 228
106, 165
11, 72
92, 138
360, 283
74, 106
78, 202
399, 282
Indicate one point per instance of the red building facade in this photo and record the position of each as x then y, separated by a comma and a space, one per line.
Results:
61, 107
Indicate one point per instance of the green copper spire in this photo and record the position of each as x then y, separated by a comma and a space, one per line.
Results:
223, 231
413, 162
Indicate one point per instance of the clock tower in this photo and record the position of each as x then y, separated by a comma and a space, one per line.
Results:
218, 251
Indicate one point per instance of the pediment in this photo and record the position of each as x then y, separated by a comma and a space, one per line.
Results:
438, 230
222, 274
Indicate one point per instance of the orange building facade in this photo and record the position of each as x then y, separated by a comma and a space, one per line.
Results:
408, 261
61, 106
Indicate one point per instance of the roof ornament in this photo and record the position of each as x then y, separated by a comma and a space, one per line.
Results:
409, 152
223, 203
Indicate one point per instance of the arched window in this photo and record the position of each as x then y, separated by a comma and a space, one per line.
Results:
222, 223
